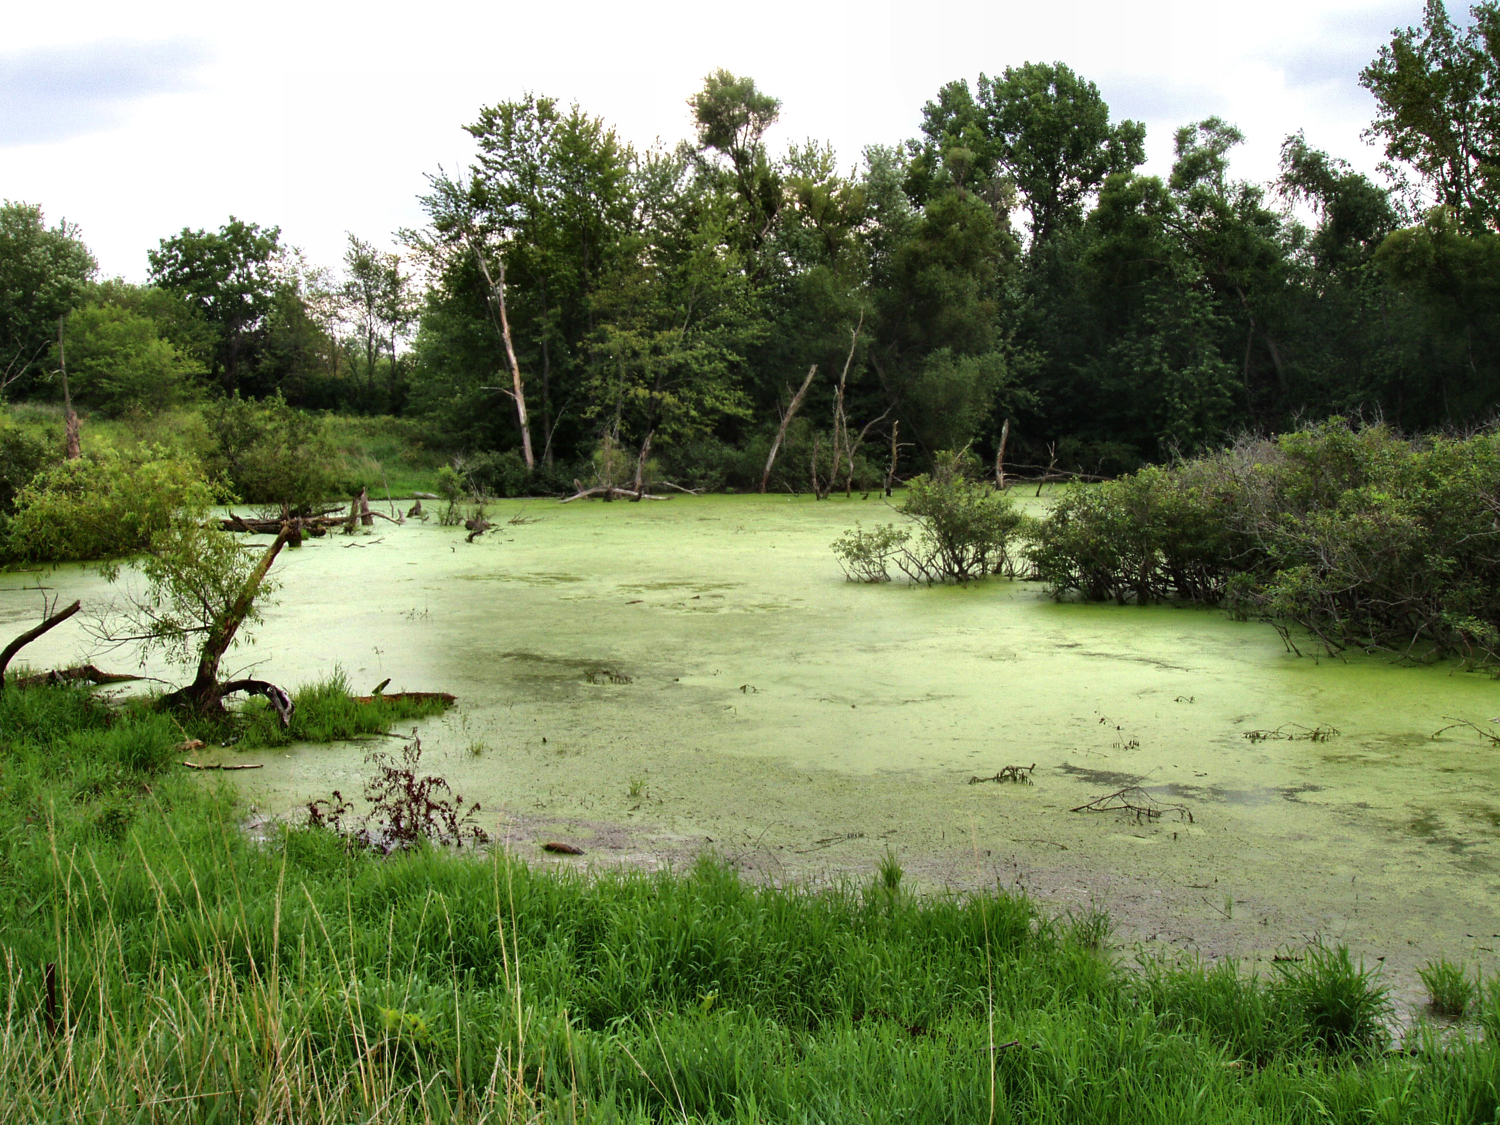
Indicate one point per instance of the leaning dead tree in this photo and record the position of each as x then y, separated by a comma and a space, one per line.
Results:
786, 420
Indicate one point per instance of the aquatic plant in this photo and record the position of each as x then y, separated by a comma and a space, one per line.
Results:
1450, 989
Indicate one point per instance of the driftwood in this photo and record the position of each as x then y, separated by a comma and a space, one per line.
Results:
51, 621
231, 766
82, 674
609, 492
1136, 801
412, 696
786, 420
278, 697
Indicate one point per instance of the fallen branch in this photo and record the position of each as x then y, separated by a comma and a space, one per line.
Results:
278, 697
610, 491
49, 622
786, 420
1136, 801
232, 766
1491, 736
411, 697
1020, 774
1296, 732
82, 674
557, 847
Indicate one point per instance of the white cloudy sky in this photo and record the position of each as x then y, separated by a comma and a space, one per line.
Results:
135, 120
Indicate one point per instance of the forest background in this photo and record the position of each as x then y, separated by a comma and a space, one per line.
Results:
574, 307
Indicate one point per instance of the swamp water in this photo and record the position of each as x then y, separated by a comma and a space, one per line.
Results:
652, 680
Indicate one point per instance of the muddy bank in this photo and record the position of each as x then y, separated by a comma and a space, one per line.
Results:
697, 674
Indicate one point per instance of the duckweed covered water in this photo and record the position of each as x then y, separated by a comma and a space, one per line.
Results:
650, 680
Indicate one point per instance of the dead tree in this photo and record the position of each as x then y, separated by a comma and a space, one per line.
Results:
518, 392
786, 420
1000, 457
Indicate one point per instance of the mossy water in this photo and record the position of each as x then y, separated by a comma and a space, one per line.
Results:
652, 680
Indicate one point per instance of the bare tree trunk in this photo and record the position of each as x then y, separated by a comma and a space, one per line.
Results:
518, 392
49, 622
640, 467
70, 419
1000, 457
817, 489
890, 474
786, 420
840, 421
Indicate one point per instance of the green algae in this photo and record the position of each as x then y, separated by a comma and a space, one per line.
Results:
803, 724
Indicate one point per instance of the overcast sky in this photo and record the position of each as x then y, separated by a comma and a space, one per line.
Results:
136, 120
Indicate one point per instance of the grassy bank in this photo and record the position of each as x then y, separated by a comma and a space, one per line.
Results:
202, 975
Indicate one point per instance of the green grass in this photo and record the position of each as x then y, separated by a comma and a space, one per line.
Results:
205, 976
325, 712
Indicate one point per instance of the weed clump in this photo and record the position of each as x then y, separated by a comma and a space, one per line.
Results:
407, 809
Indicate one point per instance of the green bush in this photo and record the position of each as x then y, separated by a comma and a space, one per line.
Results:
1361, 537
964, 530
272, 454
104, 507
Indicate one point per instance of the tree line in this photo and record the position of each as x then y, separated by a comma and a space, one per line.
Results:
573, 304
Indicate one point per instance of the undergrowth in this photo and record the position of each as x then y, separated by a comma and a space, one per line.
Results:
326, 711
203, 975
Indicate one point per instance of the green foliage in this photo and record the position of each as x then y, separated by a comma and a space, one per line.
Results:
117, 361
23, 453
1360, 537
866, 556
108, 506
964, 530
1450, 989
44, 273
327, 711
1342, 1006
272, 454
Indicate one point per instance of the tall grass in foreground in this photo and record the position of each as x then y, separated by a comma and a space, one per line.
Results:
203, 977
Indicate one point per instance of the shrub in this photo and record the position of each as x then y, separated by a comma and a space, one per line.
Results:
1450, 990
272, 454
964, 530
104, 507
1360, 537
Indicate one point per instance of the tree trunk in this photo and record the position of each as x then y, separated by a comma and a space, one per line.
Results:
70, 419
1000, 457
518, 392
786, 420
204, 693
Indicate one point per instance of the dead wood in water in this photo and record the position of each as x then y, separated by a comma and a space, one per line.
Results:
1019, 774
609, 492
1490, 736
410, 696
49, 621
80, 674
786, 420
230, 766
1136, 801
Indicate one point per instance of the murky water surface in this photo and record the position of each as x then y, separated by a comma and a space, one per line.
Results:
653, 679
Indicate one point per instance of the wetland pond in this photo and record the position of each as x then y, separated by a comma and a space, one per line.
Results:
652, 680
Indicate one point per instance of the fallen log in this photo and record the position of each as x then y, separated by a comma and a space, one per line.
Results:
412, 696
609, 492
557, 847
276, 696
82, 674
51, 621
230, 766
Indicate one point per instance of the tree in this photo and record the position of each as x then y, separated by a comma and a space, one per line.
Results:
44, 274
732, 116
118, 361
1049, 130
376, 296
1437, 89
230, 277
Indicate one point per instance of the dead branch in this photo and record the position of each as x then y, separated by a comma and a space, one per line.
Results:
1490, 736
81, 674
609, 492
1018, 774
231, 766
786, 420
410, 696
276, 696
1296, 732
1136, 801
49, 622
